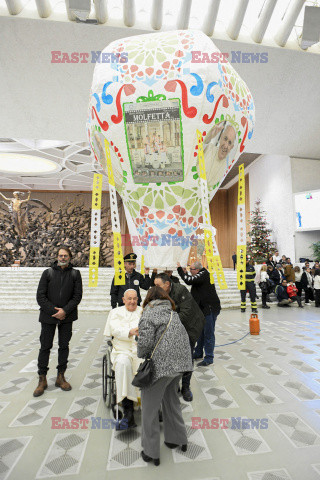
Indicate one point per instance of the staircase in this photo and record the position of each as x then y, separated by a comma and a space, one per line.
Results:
18, 289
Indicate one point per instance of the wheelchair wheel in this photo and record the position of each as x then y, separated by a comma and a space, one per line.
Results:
104, 377
108, 381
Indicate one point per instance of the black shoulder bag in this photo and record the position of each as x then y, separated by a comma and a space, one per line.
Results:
143, 377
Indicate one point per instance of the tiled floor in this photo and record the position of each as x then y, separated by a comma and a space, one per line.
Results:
265, 389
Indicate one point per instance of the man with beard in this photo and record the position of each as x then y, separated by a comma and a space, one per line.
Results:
59, 294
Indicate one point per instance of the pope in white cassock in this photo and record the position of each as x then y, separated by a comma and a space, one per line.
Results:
122, 325
217, 146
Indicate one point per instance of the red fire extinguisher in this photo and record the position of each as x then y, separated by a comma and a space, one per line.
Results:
254, 324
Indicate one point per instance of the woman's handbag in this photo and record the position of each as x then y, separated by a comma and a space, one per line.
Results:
264, 287
143, 377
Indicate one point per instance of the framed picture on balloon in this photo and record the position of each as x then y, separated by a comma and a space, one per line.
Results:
220, 147
155, 140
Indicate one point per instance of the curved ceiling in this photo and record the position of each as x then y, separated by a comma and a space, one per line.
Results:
75, 165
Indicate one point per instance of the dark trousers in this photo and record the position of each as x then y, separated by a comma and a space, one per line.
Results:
317, 297
295, 298
46, 341
250, 286
299, 287
186, 377
207, 339
308, 294
264, 298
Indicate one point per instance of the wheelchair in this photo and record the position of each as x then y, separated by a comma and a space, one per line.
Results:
109, 390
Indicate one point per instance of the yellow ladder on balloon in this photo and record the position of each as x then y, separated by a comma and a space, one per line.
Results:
119, 277
241, 231
212, 253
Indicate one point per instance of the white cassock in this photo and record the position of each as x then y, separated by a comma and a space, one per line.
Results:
124, 352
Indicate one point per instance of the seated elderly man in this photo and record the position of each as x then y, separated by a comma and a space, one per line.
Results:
122, 325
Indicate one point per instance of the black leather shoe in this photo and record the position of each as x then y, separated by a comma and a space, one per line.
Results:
203, 364
147, 459
186, 394
174, 445
265, 306
195, 357
128, 419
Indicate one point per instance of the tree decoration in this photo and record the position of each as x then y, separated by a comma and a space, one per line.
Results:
260, 246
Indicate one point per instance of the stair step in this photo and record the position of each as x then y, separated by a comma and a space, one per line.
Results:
18, 290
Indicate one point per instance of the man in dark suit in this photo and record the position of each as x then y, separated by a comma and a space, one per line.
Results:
234, 259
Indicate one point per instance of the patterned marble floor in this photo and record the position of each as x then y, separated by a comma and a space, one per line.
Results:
265, 391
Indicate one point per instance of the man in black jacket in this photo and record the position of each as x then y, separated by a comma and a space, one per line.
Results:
190, 315
59, 293
277, 274
234, 259
134, 280
206, 297
282, 294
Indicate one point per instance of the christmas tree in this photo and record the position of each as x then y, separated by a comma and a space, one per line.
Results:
260, 246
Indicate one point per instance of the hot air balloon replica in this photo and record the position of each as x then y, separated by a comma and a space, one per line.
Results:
168, 119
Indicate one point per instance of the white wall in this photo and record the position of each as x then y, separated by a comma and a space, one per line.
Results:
270, 180
41, 100
305, 176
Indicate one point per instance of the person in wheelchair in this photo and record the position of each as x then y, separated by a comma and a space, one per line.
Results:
122, 327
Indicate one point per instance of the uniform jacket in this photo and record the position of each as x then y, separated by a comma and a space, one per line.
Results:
59, 288
202, 291
135, 281
250, 273
173, 354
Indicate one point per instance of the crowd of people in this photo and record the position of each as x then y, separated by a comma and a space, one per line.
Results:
176, 326
289, 282
173, 327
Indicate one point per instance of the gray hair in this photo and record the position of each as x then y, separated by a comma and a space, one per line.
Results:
197, 265
130, 290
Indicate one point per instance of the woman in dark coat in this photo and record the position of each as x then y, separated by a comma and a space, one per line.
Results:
307, 285
171, 358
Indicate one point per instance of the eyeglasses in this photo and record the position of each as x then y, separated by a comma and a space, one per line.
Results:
63, 256
194, 269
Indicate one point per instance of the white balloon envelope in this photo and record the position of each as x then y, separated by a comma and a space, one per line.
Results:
148, 105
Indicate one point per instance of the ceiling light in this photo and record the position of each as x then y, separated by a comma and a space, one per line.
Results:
25, 164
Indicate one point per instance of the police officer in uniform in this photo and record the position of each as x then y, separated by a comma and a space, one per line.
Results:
133, 280
251, 288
